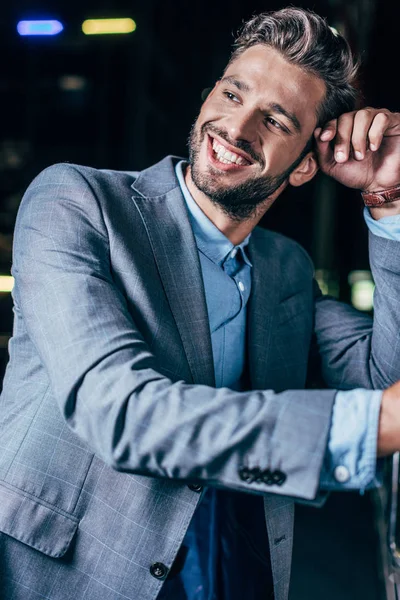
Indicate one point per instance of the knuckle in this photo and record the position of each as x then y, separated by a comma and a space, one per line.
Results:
331, 124
364, 114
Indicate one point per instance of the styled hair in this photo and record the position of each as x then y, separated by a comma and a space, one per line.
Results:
305, 39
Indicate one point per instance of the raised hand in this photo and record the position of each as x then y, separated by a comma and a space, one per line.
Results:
361, 149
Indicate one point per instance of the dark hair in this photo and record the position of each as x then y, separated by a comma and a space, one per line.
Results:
305, 39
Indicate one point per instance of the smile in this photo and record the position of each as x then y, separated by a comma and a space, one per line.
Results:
223, 157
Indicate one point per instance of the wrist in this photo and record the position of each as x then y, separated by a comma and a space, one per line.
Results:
382, 202
389, 424
387, 210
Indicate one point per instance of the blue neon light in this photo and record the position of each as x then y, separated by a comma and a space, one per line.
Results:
39, 27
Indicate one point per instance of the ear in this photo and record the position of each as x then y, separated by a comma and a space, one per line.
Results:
305, 170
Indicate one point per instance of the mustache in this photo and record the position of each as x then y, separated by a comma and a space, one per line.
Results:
239, 144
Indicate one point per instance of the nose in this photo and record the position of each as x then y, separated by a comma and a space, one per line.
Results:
243, 126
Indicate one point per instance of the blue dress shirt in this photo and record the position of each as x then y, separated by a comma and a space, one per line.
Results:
219, 543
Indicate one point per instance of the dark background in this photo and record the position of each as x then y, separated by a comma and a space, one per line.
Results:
141, 92
136, 97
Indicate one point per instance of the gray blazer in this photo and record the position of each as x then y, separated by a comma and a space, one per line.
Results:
109, 413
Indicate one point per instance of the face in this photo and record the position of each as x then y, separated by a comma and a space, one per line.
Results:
253, 129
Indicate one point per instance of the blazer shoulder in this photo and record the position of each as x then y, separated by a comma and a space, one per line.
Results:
68, 191
70, 173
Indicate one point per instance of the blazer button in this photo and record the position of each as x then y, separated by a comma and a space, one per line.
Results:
195, 487
279, 477
245, 474
158, 570
267, 477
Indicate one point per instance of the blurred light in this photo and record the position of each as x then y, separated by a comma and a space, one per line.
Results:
334, 31
6, 283
102, 26
72, 83
362, 290
39, 27
4, 339
328, 282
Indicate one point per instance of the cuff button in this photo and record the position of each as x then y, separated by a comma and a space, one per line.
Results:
341, 474
245, 474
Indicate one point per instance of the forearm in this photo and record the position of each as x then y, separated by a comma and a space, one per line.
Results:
194, 432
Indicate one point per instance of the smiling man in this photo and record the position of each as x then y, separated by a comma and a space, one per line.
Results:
155, 428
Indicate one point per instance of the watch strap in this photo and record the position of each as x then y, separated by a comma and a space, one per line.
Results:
380, 197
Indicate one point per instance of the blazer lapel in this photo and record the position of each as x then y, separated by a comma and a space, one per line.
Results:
265, 291
162, 207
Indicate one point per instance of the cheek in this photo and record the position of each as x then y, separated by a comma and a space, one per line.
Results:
279, 154
275, 154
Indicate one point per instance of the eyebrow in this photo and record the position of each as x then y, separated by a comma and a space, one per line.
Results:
275, 106
289, 115
243, 87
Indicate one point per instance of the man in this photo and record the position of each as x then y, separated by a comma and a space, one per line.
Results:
152, 322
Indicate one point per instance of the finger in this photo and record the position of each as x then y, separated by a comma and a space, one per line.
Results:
377, 130
324, 152
317, 132
362, 123
328, 131
343, 137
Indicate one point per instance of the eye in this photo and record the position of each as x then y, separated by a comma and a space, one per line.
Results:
231, 96
274, 123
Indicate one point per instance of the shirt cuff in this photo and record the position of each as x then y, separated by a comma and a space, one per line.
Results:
386, 227
350, 461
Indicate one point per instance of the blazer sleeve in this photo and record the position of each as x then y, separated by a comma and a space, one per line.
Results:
356, 350
104, 376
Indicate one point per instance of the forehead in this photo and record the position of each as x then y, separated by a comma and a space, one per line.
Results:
272, 78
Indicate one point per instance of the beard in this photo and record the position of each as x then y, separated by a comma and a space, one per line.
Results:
241, 201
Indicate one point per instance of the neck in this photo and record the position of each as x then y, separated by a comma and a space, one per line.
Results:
235, 231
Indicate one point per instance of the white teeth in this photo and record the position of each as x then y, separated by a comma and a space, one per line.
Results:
225, 156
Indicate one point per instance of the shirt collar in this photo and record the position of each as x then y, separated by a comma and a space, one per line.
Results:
209, 239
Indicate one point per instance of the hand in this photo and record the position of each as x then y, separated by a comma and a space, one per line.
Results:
361, 149
389, 421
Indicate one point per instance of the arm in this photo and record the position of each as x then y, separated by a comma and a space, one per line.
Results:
361, 149
355, 350
363, 420
104, 376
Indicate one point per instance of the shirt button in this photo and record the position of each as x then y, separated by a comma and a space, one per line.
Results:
241, 286
233, 253
341, 474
